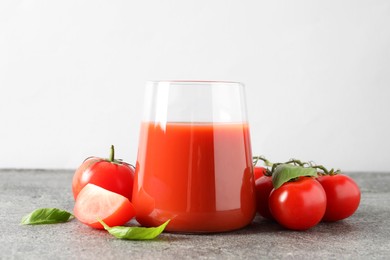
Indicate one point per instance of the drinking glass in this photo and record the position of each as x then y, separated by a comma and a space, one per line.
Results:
194, 163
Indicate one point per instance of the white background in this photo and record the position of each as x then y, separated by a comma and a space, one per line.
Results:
317, 75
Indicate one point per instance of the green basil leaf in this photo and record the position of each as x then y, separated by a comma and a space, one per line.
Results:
135, 233
286, 172
46, 216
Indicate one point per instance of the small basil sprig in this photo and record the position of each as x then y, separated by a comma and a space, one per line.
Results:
134, 233
46, 216
286, 172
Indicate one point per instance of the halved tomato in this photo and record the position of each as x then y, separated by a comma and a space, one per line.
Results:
94, 202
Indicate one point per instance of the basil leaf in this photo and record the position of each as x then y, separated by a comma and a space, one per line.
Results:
46, 216
134, 233
286, 172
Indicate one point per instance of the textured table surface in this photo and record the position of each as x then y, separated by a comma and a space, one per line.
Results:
364, 235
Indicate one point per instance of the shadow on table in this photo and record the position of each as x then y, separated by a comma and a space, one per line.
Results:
262, 225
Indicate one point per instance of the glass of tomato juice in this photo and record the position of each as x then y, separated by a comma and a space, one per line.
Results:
194, 162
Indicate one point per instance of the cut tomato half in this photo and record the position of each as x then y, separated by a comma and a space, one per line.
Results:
94, 202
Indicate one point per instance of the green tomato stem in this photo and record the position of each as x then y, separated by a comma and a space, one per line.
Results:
257, 158
295, 161
112, 154
321, 168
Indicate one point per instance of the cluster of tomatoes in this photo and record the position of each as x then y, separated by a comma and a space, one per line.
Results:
102, 189
303, 201
297, 195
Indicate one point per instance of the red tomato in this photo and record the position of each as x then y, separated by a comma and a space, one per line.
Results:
342, 194
95, 202
298, 205
263, 189
110, 174
258, 171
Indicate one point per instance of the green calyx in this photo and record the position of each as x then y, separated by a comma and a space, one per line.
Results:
325, 171
112, 159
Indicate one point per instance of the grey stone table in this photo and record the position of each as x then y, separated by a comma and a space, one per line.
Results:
365, 235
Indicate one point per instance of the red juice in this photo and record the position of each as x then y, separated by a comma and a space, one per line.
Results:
199, 175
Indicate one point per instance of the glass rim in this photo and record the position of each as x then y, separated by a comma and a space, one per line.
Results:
198, 82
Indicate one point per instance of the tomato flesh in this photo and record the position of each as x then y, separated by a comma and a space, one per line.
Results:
343, 196
94, 202
298, 205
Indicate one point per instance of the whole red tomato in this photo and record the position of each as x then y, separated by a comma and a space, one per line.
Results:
263, 189
259, 171
298, 205
110, 174
342, 194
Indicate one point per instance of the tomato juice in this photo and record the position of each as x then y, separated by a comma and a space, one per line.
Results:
199, 175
